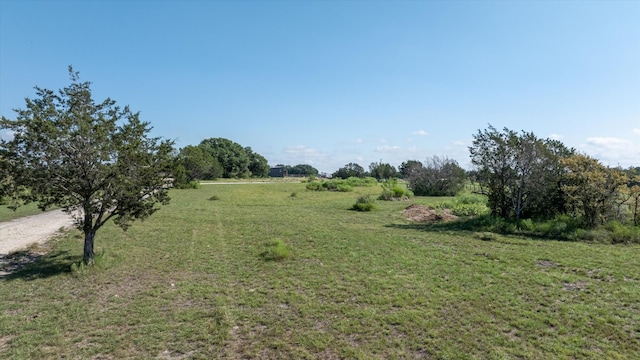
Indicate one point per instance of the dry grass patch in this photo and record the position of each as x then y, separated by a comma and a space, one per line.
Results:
422, 213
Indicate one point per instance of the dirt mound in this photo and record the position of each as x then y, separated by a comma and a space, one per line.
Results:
421, 213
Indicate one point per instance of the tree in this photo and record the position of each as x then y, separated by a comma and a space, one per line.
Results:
439, 176
301, 169
231, 155
258, 165
382, 171
94, 160
490, 154
591, 187
519, 172
198, 164
405, 168
349, 170
634, 191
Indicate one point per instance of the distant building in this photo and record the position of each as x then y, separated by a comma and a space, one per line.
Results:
278, 172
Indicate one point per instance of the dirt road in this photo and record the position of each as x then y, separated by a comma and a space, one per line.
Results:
19, 233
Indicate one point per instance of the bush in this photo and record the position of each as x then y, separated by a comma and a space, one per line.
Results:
437, 177
392, 191
315, 186
340, 184
276, 251
465, 206
621, 234
466, 210
364, 203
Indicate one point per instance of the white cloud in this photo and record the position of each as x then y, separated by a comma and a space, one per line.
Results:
613, 151
384, 141
555, 137
459, 143
607, 141
303, 150
636, 131
358, 141
420, 133
387, 148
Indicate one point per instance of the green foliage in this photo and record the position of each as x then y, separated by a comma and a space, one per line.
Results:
276, 251
235, 161
364, 203
519, 173
258, 164
341, 185
382, 171
391, 190
300, 169
197, 164
350, 170
315, 185
465, 206
408, 166
361, 181
88, 157
591, 188
437, 177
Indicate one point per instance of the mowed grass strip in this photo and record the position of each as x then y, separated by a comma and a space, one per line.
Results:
190, 282
7, 214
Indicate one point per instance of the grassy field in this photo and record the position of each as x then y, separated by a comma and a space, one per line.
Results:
190, 282
25, 210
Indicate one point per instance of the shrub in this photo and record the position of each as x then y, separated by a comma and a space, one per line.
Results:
331, 185
392, 191
276, 251
364, 203
437, 177
361, 182
527, 225
315, 186
467, 210
621, 234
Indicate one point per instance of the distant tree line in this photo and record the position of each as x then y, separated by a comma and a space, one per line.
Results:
217, 158
300, 170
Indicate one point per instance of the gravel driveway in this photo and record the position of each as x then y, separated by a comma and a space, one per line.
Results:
19, 233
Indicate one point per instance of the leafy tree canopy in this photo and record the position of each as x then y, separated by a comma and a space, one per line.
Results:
350, 170
438, 176
382, 171
301, 169
95, 160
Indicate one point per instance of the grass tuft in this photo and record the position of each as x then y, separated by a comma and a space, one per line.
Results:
276, 251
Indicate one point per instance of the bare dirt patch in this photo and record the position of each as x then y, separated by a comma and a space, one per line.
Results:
422, 213
18, 234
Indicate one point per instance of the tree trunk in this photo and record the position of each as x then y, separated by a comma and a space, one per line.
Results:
89, 236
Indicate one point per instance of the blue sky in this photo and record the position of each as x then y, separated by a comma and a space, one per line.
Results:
331, 82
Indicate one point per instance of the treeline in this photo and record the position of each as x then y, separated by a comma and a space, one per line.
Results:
526, 177
217, 158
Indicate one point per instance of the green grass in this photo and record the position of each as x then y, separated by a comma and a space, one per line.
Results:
7, 214
190, 282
